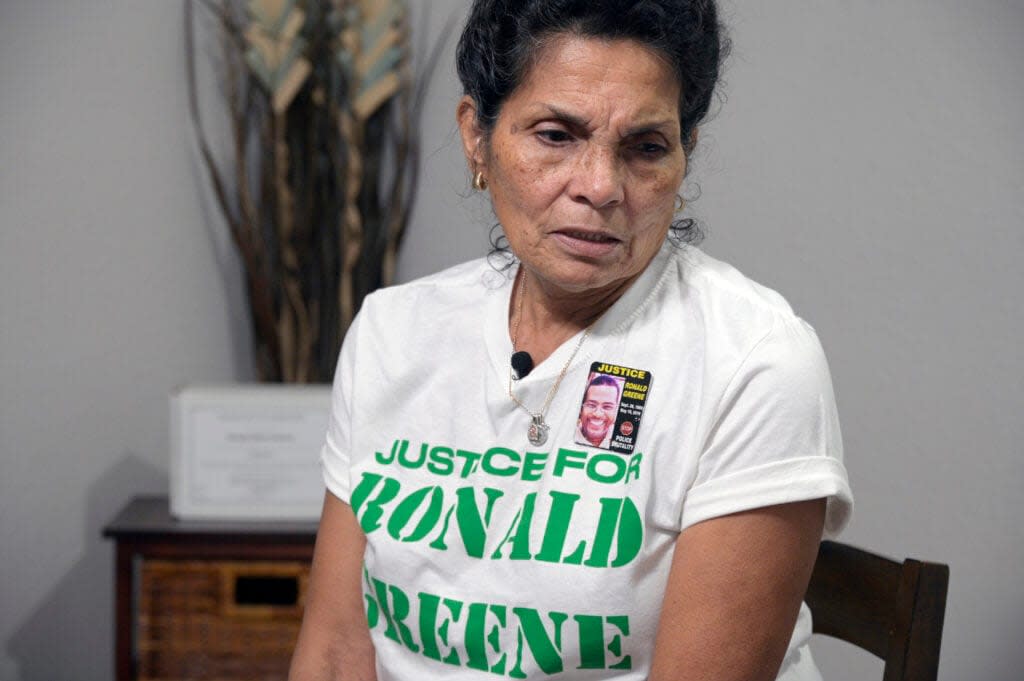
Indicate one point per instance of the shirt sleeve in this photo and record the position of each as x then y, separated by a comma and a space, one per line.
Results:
775, 438
335, 455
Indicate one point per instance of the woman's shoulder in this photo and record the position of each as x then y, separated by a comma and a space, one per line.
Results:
465, 281
445, 298
734, 312
718, 282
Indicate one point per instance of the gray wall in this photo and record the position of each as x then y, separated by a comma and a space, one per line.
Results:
867, 164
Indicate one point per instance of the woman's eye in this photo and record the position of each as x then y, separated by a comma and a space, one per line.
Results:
651, 149
555, 136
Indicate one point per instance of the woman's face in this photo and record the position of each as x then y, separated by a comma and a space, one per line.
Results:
584, 162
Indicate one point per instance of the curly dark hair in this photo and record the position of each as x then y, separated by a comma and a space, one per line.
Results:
502, 37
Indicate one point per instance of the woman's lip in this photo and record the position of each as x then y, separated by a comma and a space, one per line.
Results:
586, 242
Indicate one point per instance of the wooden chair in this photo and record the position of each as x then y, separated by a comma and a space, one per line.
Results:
894, 610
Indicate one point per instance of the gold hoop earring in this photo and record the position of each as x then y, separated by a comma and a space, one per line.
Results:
680, 203
479, 181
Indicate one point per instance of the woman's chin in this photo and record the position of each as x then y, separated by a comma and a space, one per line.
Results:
577, 275
595, 283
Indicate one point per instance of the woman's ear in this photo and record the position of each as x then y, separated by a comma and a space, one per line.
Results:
472, 135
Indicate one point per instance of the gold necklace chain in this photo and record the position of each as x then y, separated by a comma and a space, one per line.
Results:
538, 430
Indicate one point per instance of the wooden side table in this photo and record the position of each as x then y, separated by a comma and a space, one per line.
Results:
214, 593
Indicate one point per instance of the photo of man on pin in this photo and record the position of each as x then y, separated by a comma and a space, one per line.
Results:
599, 410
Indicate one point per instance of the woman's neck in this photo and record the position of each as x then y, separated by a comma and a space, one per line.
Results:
542, 317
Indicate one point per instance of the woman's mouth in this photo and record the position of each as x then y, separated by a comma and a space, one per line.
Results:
587, 243
589, 236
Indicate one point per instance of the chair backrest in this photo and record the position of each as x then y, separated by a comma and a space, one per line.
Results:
894, 610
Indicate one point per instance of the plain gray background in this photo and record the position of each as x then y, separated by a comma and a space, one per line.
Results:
867, 164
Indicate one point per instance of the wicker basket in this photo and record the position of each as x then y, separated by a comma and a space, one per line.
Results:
218, 619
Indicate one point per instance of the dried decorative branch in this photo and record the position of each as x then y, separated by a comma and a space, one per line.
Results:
324, 117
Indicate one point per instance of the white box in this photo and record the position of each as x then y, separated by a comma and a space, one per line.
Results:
248, 452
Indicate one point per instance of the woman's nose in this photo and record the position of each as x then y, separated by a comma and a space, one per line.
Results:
598, 179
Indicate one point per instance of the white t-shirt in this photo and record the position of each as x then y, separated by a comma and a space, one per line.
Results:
488, 556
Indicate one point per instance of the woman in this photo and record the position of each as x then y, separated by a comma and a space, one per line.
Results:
465, 533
